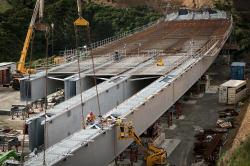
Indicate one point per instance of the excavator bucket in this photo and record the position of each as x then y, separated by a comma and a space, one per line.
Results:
41, 26
81, 21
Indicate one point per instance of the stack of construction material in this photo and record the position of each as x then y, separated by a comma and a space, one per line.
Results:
56, 98
226, 120
156, 142
10, 131
208, 146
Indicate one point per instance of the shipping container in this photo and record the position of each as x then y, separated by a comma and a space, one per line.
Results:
238, 71
232, 91
4, 76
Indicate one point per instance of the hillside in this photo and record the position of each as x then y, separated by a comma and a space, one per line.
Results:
105, 21
4, 5
157, 5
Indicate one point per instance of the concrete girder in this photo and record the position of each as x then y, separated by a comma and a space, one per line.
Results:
37, 83
143, 109
61, 123
158, 97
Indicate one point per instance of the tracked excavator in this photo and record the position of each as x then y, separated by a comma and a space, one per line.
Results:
41, 26
151, 154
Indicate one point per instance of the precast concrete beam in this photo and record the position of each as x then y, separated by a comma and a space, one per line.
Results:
71, 84
37, 83
143, 109
37, 88
65, 118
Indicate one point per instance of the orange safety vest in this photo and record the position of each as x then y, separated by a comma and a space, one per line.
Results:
92, 117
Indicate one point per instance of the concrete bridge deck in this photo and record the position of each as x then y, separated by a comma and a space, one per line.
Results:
120, 97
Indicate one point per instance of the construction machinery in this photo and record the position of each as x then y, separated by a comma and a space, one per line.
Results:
9, 141
8, 155
160, 62
40, 25
80, 20
151, 154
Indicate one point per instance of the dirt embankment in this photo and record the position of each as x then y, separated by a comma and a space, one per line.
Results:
157, 5
238, 136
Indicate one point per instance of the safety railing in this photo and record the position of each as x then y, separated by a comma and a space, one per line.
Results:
215, 44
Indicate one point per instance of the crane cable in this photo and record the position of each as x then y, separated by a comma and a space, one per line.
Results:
47, 35
24, 124
82, 124
88, 29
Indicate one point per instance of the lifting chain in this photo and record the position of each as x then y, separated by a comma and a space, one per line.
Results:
88, 29
27, 98
83, 124
47, 35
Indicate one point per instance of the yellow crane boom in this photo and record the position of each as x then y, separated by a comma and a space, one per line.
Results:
20, 68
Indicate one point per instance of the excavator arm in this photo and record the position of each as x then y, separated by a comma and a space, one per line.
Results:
8, 155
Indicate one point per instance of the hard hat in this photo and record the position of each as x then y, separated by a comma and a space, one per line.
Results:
88, 116
104, 120
91, 112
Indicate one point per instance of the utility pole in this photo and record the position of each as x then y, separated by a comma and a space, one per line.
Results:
52, 26
192, 43
125, 48
139, 49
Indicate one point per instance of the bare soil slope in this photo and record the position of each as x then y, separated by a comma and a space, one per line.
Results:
157, 5
238, 135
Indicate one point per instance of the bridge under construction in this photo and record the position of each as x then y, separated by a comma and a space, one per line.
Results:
131, 86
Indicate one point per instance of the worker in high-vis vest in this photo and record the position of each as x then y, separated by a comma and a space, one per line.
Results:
119, 121
88, 120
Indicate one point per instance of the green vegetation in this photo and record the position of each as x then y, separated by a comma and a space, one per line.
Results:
105, 21
242, 155
241, 25
4, 5
223, 6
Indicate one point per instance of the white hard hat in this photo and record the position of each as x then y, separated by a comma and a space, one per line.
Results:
88, 116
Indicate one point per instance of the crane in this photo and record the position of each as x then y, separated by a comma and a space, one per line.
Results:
40, 25
151, 154
80, 20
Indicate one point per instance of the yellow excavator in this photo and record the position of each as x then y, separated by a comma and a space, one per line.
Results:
41, 26
151, 154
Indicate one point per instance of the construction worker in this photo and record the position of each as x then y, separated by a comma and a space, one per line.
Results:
119, 121
88, 120
104, 121
92, 116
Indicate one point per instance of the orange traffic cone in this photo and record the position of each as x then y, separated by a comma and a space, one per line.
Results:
40, 109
